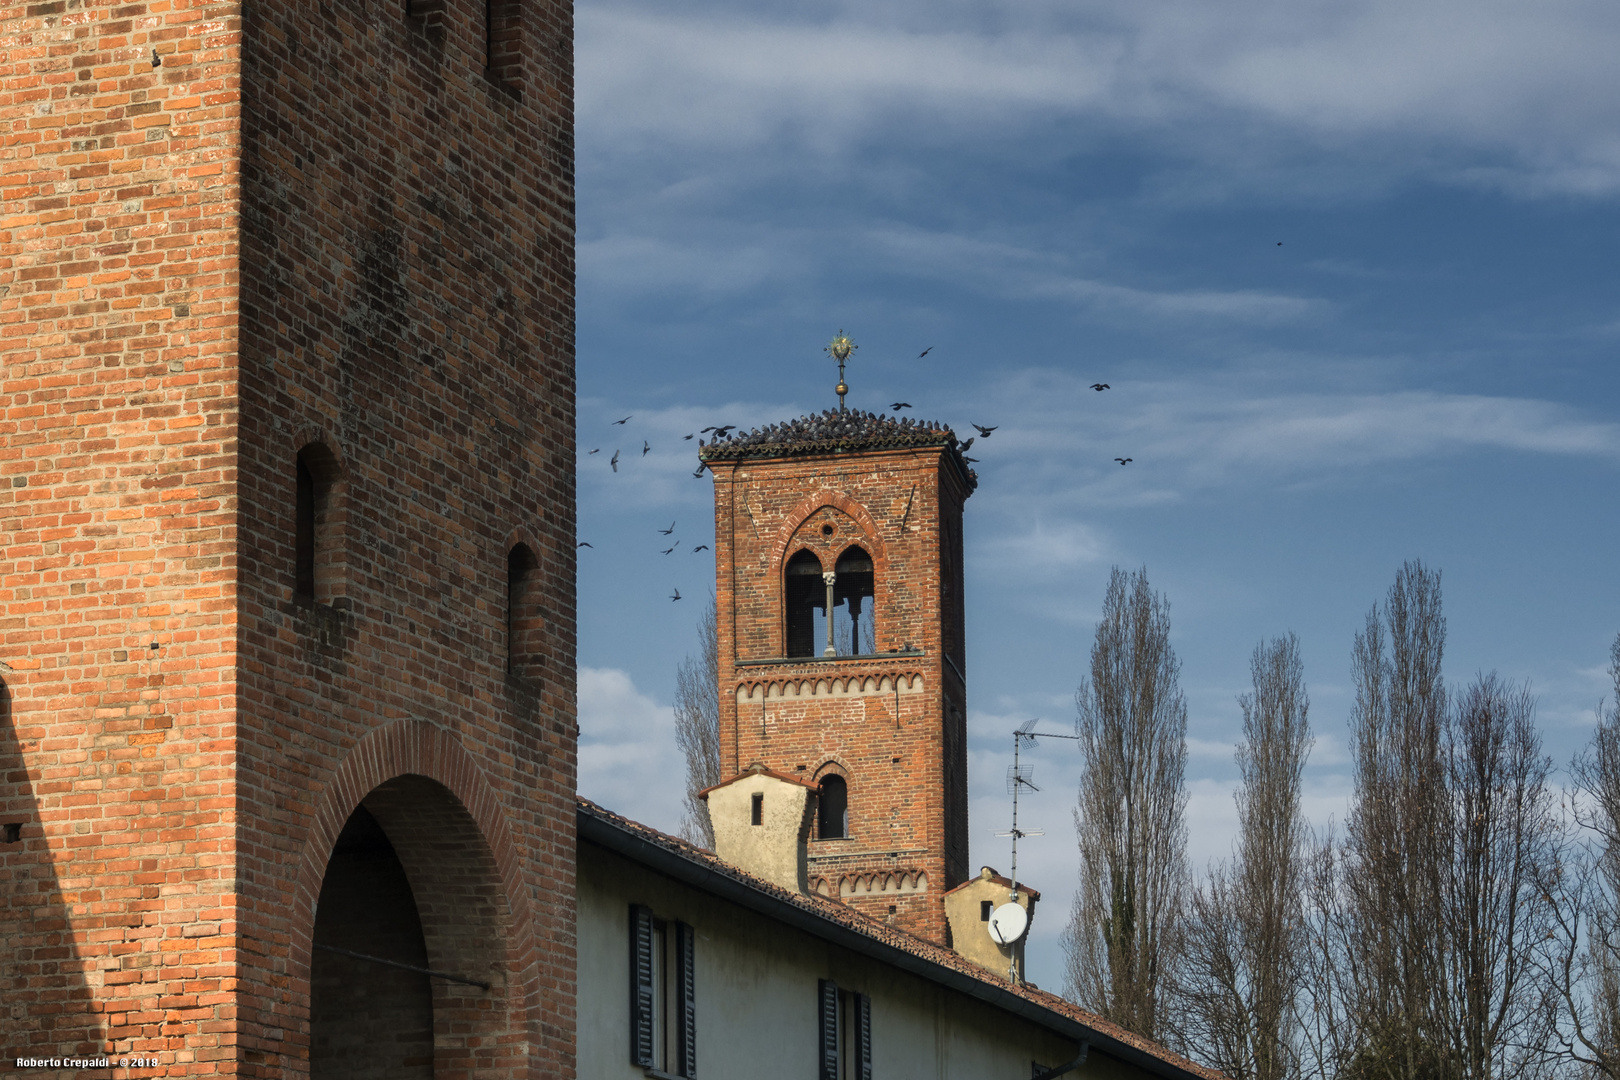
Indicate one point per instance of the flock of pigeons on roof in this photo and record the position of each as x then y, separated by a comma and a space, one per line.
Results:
821, 430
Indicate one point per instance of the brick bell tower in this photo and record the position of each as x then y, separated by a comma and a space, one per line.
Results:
858, 516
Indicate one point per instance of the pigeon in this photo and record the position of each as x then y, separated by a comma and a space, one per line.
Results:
969, 460
925, 352
719, 432
598, 450
897, 406
984, 432
155, 61
614, 461
700, 547
667, 550
1124, 460
1099, 386
582, 543
645, 448
964, 446
699, 474
666, 532
688, 438
1279, 243
677, 595
626, 420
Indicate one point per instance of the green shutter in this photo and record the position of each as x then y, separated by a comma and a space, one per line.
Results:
641, 986
686, 1010
829, 1029
863, 1033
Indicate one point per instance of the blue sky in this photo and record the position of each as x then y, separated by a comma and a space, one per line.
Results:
1350, 269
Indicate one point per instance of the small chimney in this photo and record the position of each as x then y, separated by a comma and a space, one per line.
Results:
761, 821
968, 908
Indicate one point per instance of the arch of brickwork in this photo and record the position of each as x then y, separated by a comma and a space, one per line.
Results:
446, 826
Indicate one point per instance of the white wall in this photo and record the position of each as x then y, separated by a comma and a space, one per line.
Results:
756, 996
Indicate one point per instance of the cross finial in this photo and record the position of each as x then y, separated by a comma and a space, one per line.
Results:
839, 349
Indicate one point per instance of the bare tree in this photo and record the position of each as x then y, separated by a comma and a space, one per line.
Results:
1583, 967
1245, 945
1123, 937
1497, 909
1397, 848
697, 725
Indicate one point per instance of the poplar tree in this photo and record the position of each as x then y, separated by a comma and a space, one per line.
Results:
1124, 933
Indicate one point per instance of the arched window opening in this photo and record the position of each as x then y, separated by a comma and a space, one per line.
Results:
804, 596
524, 622
854, 629
313, 540
832, 809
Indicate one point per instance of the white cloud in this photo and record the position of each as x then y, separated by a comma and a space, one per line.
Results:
1498, 91
628, 758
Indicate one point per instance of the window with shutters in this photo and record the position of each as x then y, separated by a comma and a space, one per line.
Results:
846, 1033
663, 993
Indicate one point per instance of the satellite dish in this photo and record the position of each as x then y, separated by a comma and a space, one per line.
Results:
1008, 923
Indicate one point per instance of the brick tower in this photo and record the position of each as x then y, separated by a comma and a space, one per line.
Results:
286, 580
858, 517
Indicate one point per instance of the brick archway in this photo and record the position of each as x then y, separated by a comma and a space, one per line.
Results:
434, 802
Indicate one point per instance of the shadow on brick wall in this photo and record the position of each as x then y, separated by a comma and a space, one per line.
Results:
45, 1002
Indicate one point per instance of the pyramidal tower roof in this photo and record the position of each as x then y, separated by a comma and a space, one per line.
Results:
839, 431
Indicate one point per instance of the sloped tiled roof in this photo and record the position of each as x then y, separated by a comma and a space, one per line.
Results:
1108, 1038
833, 431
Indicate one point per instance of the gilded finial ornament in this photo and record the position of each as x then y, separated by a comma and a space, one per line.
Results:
839, 349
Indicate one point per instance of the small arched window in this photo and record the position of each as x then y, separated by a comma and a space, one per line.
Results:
832, 809
804, 595
524, 619
313, 541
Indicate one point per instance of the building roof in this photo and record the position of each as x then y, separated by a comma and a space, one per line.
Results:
996, 879
842, 925
757, 769
833, 432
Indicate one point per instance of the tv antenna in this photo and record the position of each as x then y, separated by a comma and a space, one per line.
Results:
1009, 922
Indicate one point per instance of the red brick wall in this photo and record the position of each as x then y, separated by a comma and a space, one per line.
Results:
904, 753
325, 223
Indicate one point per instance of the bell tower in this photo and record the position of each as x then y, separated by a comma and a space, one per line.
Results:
838, 556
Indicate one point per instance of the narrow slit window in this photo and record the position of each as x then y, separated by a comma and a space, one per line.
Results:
503, 42
757, 810
315, 547
832, 809
525, 624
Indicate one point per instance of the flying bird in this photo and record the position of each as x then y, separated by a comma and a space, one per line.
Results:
666, 532
626, 420
582, 543
700, 547
677, 595
964, 446
1100, 386
687, 438
984, 432
598, 450
672, 548
645, 448
897, 406
1124, 460
614, 461
699, 474
719, 432
970, 460
925, 352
